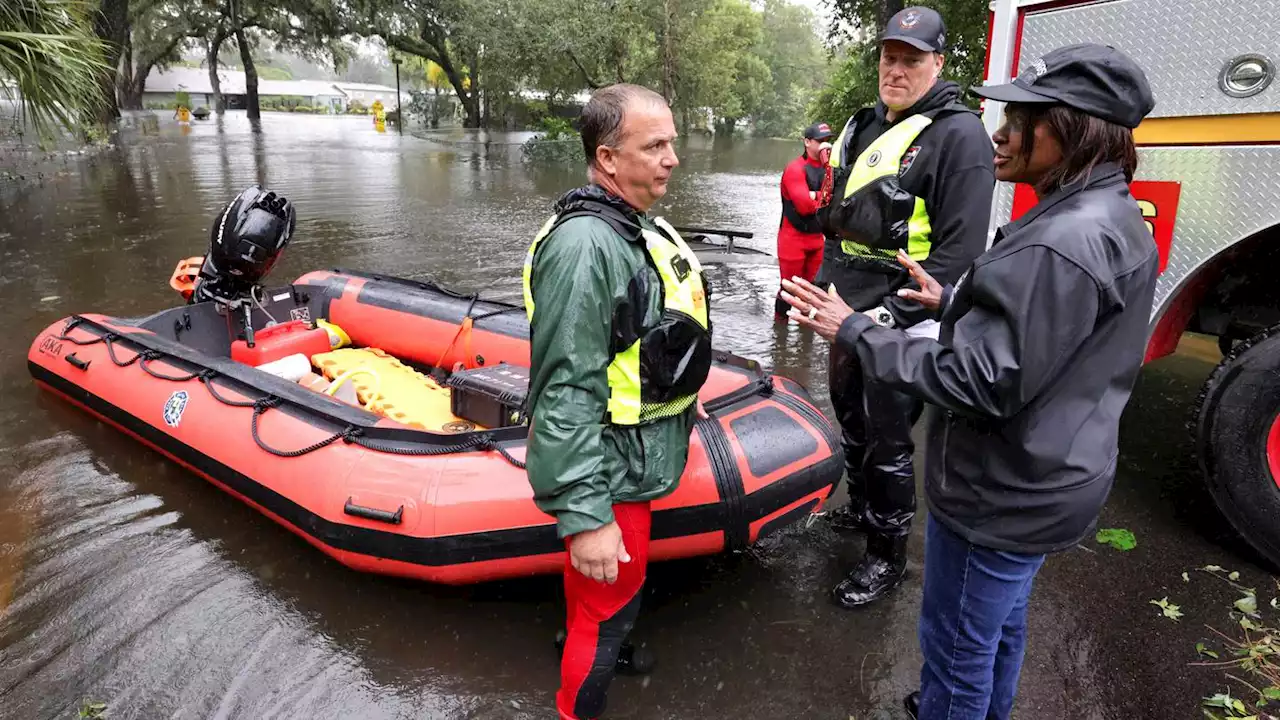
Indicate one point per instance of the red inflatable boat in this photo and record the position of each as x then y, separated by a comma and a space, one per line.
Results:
450, 505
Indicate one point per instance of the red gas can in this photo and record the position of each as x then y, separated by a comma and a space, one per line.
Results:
278, 341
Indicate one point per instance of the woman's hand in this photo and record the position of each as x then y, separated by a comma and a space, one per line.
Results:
930, 292
824, 312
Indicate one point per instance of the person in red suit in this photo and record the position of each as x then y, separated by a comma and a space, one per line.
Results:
799, 233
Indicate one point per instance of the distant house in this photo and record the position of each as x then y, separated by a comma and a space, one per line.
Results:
317, 93
162, 88
366, 93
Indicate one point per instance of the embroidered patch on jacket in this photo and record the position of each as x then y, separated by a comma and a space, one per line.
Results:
908, 158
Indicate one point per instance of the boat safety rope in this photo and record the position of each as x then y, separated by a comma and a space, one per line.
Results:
479, 442
464, 329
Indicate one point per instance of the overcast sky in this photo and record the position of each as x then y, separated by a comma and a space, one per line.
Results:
816, 5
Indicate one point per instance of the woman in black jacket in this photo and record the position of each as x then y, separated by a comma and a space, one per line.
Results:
1041, 342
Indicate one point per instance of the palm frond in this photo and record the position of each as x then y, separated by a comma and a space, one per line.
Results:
51, 56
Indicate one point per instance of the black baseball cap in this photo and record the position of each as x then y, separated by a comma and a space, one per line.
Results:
919, 27
818, 131
1095, 79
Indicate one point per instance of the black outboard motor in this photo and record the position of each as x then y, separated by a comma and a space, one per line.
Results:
247, 238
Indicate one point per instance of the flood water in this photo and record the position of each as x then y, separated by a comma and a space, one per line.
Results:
128, 581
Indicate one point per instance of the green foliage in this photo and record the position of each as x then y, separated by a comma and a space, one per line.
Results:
1254, 649
731, 59
1118, 538
90, 710
853, 85
182, 98
798, 65
557, 128
355, 107
160, 30
557, 144
271, 72
49, 51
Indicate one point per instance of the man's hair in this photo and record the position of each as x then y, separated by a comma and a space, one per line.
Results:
601, 119
1087, 142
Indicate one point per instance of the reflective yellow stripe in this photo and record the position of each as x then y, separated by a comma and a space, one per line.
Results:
919, 233
884, 156
682, 295
624, 386
1209, 129
685, 295
881, 159
837, 150
528, 266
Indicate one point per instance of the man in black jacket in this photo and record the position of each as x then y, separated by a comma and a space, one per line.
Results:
913, 173
1041, 343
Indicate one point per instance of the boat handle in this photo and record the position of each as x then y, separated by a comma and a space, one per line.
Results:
77, 362
373, 513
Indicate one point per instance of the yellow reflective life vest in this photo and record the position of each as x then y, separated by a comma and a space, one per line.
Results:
870, 212
656, 370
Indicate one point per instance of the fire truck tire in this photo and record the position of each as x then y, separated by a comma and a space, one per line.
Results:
1237, 428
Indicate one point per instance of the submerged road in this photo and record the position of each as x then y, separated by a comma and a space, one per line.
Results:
127, 581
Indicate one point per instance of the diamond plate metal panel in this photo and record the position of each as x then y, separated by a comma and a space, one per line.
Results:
1228, 193
1181, 44
1003, 203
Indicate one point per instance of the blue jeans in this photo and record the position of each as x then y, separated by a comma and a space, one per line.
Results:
973, 626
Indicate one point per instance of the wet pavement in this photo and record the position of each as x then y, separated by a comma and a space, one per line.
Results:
128, 581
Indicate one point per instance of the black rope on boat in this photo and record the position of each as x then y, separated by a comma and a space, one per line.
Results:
760, 386
490, 444
466, 446
479, 441
74, 323
499, 311
482, 442
208, 384
261, 406
144, 364
109, 339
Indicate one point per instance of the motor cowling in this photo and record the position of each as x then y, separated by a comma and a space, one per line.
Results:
246, 240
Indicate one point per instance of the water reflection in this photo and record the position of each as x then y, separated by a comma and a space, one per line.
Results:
125, 579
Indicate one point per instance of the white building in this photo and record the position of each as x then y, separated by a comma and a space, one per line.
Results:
162, 88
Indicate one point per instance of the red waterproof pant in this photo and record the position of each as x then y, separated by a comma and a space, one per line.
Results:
600, 616
799, 254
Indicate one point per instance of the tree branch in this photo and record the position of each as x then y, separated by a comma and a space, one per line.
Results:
591, 82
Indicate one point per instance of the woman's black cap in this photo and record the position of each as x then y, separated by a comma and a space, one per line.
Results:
1096, 79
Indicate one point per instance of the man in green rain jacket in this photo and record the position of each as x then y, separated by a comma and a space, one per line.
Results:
620, 345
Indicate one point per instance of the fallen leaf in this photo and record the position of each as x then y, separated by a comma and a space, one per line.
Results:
1271, 693
1185, 578
1200, 648
1221, 700
1248, 604
1212, 568
1247, 624
1118, 538
1275, 603
1167, 608
1234, 576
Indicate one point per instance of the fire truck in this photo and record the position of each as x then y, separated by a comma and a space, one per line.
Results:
1208, 183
